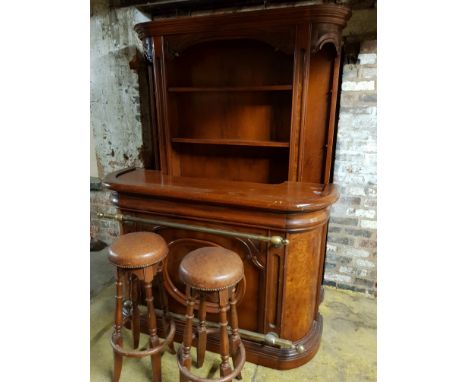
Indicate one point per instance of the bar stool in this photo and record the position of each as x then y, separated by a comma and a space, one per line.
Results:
208, 272
139, 256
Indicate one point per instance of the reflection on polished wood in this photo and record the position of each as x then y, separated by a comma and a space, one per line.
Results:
286, 196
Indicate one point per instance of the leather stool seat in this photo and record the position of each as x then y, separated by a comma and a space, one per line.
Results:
211, 269
138, 250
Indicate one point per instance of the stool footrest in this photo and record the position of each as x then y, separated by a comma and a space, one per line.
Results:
146, 352
237, 369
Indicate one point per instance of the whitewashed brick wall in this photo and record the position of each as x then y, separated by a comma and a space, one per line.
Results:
352, 237
115, 103
115, 98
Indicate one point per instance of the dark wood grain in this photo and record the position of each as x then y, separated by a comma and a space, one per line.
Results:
317, 103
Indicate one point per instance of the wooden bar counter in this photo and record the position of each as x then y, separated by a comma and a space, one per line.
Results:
243, 120
281, 291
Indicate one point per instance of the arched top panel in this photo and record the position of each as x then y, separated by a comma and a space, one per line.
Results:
281, 39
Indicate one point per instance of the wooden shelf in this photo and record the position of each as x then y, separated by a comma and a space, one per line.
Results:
179, 89
231, 142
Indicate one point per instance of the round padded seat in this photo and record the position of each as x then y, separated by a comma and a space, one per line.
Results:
137, 250
211, 268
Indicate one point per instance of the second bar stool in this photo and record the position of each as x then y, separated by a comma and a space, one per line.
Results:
139, 256
205, 271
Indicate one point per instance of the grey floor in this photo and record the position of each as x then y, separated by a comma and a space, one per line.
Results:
102, 273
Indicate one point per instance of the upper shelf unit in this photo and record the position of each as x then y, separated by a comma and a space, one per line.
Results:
247, 96
229, 105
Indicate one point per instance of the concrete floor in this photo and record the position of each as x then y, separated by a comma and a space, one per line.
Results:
102, 272
347, 352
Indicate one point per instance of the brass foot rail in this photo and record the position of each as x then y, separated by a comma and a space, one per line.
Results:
276, 241
271, 338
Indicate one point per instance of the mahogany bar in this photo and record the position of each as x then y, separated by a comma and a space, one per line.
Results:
243, 122
281, 291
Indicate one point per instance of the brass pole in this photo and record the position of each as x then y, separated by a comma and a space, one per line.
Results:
271, 338
276, 241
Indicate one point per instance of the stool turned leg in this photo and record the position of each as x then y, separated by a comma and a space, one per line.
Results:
186, 360
235, 337
201, 346
225, 367
135, 313
152, 330
165, 308
118, 321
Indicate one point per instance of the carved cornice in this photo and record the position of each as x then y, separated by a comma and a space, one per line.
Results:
221, 23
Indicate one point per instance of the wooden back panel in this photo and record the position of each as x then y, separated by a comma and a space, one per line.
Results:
262, 165
227, 62
229, 107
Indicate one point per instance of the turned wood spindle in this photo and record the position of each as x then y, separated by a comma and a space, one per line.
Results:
118, 321
202, 335
135, 313
187, 341
138, 257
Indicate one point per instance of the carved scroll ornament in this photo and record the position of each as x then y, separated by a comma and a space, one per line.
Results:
148, 48
323, 34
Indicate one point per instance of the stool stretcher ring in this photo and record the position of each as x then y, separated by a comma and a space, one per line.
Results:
146, 352
237, 370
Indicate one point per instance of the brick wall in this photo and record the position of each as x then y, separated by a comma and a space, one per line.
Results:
102, 229
352, 236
